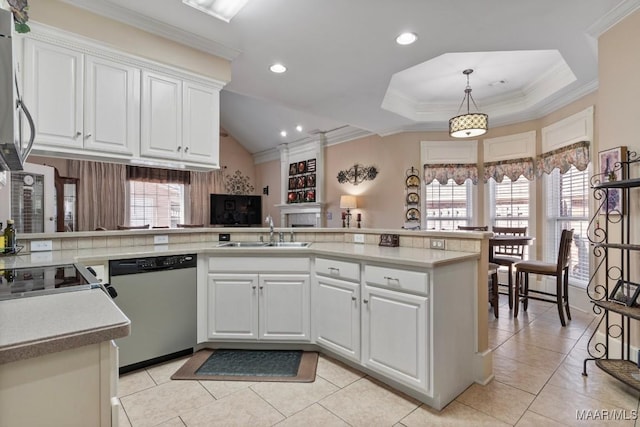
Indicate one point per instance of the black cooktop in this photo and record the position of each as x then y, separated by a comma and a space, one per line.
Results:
33, 281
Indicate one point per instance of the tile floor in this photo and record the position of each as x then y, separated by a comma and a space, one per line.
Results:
538, 381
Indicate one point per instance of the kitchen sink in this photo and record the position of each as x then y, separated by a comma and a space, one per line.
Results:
289, 244
264, 245
242, 245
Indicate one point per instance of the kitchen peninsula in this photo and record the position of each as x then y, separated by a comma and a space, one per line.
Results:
440, 295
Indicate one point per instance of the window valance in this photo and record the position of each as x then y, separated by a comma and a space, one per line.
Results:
140, 173
512, 169
562, 158
444, 172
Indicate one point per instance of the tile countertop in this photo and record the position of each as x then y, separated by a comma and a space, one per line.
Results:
34, 326
31, 327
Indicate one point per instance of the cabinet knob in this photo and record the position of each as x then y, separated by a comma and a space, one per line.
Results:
334, 270
392, 278
261, 287
78, 133
353, 298
179, 148
253, 287
186, 149
87, 136
366, 301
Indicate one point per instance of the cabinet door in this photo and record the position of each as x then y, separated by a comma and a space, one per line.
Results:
53, 93
232, 306
201, 123
111, 107
336, 316
161, 121
284, 307
395, 335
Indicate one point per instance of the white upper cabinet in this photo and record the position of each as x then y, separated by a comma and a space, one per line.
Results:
93, 102
180, 119
53, 91
81, 102
201, 123
161, 125
112, 106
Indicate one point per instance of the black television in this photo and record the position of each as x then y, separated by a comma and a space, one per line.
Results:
233, 210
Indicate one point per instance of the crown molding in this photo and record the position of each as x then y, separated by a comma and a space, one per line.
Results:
612, 18
153, 26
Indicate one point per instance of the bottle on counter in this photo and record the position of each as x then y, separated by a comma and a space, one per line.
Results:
9, 238
1, 238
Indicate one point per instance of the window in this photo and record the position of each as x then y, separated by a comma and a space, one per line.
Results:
156, 204
567, 198
509, 205
448, 206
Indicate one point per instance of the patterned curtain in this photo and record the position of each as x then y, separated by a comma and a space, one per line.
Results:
141, 173
575, 154
512, 169
202, 185
443, 172
101, 193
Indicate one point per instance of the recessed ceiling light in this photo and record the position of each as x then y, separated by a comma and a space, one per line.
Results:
299, 128
498, 82
406, 38
283, 133
278, 68
224, 10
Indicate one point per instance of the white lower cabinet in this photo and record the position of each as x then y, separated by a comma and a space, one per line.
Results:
336, 316
395, 335
76, 387
259, 306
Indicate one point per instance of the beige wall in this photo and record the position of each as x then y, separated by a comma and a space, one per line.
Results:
128, 39
234, 157
268, 174
381, 201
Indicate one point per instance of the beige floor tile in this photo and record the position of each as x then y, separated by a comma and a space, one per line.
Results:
455, 414
367, 402
552, 326
531, 419
563, 405
244, 408
123, 420
164, 402
498, 336
162, 373
549, 342
597, 385
524, 377
337, 373
289, 398
220, 389
506, 322
173, 422
313, 416
498, 400
529, 355
134, 382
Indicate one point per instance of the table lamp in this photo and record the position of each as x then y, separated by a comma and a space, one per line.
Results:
348, 202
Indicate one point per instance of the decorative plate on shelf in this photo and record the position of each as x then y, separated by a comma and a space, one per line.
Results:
413, 181
413, 198
413, 214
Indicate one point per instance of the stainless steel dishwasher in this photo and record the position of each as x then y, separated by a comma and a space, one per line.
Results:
158, 294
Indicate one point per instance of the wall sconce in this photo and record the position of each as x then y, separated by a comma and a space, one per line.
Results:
347, 202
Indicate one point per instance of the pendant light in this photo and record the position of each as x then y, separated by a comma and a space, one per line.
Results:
470, 124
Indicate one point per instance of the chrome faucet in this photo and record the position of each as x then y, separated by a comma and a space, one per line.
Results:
269, 220
292, 237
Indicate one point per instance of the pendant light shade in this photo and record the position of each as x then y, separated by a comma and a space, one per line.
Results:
470, 124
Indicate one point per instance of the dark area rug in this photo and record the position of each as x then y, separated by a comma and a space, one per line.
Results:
250, 365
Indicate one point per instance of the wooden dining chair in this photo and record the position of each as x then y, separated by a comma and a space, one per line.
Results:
559, 270
507, 255
473, 227
133, 227
493, 287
